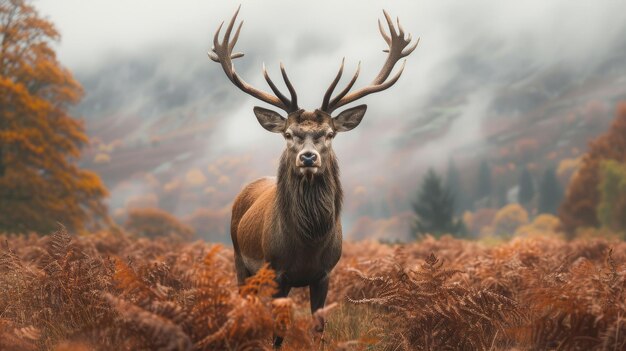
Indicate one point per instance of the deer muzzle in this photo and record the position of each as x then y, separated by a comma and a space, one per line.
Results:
308, 161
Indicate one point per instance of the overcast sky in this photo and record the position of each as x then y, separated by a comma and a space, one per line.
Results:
312, 37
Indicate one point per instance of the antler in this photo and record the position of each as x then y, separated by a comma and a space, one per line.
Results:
223, 53
397, 50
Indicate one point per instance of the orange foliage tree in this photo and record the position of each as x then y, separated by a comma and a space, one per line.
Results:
211, 223
40, 183
581, 200
154, 222
509, 218
612, 206
477, 221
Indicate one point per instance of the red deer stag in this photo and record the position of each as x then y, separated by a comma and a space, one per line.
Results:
292, 221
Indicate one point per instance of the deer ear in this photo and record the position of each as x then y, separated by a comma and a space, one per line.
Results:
270, 120
349, 119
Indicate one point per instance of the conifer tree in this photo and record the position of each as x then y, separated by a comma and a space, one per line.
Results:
434, 209
502, 196
526, 188
550, 192
484, 180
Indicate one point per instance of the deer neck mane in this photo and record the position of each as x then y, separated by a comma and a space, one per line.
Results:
309, 206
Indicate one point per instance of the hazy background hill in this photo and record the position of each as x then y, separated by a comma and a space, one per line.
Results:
517, 85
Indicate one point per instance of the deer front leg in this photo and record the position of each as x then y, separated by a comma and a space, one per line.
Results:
318, 292
283, 291
241, 269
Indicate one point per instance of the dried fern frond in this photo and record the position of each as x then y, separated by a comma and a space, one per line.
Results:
13, 338
429, 311
282, 311
163, 333
130, 284
59, 243
249, 325
614, 337
262, 284
73, 346
443, 294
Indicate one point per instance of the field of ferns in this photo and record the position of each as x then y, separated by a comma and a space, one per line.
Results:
109, 291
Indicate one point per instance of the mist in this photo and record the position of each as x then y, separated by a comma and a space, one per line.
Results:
148, 81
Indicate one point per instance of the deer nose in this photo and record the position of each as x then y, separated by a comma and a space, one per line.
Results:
308, 158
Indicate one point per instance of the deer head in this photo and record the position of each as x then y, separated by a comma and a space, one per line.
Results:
309, 134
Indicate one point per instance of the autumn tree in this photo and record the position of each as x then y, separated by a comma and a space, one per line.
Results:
509, 218
211, 224
612, 206
434, 209
583, 196
40, 142
154, 222
479, 221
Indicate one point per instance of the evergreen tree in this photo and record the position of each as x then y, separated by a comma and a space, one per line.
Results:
550, 195
434, 209
483, 188
453, 184
526, 188
502, 198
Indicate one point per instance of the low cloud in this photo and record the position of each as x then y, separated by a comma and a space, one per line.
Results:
147, 60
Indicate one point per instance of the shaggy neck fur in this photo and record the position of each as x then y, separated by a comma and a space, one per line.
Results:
309, 206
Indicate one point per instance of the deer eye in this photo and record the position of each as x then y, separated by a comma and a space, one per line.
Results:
330, 135
288, 136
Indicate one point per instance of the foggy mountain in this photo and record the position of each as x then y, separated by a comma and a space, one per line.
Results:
169, 130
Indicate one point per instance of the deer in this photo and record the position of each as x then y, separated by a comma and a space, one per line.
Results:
292, 221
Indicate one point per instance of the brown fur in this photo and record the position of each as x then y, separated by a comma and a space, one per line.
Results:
291, 222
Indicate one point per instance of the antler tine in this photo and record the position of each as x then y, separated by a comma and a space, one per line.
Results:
292, 91
400, 29
232, 44
277, 92
398, 48
223, 53
392, 29
229, 29
213, 55
382, 32
409, 50
329, 91
348, 87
